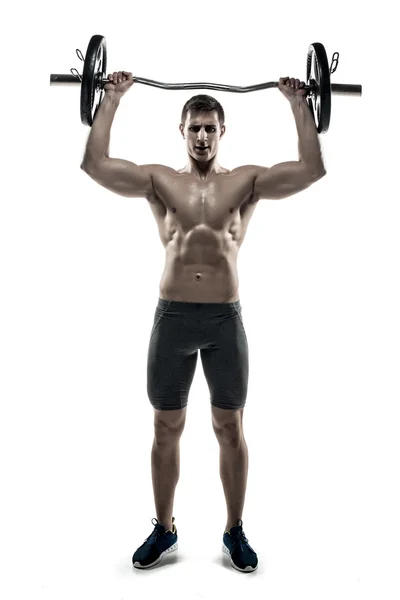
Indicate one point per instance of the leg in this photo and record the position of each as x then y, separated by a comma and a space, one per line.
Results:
165, 461
226, 367
170, 370
228, 428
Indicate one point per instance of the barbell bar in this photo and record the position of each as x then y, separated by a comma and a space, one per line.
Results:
318, 84
337, 88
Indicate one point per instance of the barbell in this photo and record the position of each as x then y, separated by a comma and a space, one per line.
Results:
318, 82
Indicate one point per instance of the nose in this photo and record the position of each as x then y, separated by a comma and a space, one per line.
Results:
202, 136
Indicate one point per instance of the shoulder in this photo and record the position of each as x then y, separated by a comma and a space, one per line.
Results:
247, 176
159, 170
249, 171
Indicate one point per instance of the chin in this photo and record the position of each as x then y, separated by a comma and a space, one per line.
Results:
202, 157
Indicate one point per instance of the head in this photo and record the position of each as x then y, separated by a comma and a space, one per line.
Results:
202, 126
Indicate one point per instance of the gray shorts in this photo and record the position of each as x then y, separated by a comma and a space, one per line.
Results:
179, 331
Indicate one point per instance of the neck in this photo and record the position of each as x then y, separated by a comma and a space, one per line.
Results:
203, 170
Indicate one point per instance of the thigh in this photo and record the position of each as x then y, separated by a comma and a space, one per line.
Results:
225, 362
171, 364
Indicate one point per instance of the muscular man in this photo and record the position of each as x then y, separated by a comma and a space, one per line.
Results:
202, 213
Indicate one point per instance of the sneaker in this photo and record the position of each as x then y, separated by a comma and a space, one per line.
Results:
162, 541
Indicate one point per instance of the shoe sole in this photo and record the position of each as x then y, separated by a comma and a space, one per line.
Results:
159, 559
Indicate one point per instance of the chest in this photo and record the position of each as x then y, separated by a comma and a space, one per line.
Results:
214, 203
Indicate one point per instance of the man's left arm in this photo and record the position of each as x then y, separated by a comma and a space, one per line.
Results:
310, 152
289, 178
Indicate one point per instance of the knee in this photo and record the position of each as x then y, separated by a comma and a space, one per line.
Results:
164, 434
230, 434
227, 424
168, 427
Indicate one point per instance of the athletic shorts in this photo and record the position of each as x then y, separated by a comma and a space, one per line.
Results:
179, 331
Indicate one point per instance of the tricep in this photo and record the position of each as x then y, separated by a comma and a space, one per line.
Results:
121, 177
284, 180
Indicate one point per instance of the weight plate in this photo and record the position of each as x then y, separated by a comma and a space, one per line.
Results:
318, 74
94, 71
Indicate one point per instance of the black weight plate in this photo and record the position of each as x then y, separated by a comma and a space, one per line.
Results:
318, 72
94, 71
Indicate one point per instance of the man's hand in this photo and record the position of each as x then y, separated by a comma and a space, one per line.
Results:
119, 83
291, 88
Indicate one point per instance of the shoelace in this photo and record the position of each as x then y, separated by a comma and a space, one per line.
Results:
155, 534
239, 539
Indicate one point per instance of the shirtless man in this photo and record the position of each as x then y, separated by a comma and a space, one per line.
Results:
202, 213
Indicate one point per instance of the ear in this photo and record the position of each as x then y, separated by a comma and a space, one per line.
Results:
223, 129
181, 129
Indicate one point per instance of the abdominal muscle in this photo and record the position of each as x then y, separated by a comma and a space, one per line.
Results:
200, 266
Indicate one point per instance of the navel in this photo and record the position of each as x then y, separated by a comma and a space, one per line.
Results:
173, 209
198, 276
231, 210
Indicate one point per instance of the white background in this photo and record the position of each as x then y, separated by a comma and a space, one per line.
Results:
319, 286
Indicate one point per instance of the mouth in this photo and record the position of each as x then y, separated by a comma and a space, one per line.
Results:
201, 148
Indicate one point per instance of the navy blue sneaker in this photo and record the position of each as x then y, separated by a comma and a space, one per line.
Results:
161, 542
236, 545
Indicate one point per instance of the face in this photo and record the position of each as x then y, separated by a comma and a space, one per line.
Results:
202, 133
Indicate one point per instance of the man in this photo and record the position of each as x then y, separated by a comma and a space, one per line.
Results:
202, 212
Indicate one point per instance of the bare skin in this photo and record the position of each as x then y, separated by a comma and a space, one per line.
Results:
202, 218
202, 210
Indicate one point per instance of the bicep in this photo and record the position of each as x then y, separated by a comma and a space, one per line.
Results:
123, 177
283, 180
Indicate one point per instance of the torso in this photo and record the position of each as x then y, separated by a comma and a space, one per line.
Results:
202, 225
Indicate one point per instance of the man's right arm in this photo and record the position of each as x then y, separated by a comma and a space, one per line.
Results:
119, 176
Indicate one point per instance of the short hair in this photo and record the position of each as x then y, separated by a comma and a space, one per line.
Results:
203, 103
